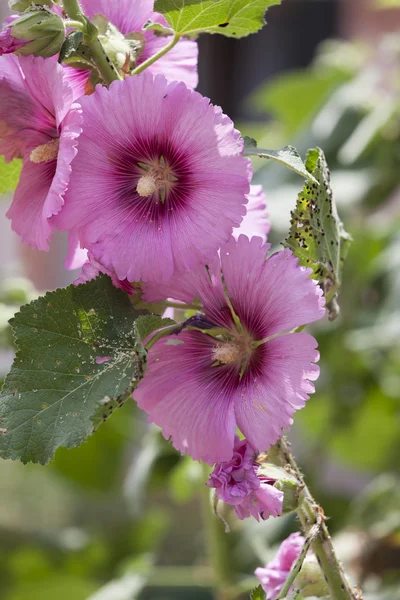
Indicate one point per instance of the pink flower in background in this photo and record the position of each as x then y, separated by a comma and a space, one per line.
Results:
274, 574
236, 482
159, 181
8, 43
39, 123
129, 16
256, 220
202, 388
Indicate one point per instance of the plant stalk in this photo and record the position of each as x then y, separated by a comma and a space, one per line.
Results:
152, 59
103, 63
311, 515
218, 547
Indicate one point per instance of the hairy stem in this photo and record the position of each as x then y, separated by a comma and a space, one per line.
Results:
218, 546
311, 515
156, 56
103, 63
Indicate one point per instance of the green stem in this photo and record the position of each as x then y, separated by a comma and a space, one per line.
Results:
183, 306
218, 547
162, 333
295, 570
74, 24
102, 61
152, 59
311, 515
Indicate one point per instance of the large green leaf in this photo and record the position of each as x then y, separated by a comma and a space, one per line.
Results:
316, 235
9, 175
286, 156
233, 18
78, 358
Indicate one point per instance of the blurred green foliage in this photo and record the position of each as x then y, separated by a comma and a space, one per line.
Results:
124, 507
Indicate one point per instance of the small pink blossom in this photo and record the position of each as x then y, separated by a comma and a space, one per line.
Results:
275, 573
159, 181
129, 16
9, 43
237, 482
254, 372
39, 123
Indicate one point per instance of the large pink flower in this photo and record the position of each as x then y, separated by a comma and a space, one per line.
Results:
237, 482
202, 384
159, 181
275, 573
40, 123
129, 16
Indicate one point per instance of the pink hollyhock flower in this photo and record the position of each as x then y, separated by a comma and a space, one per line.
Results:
129, 16
159, 181
39, 123
237, 482
275, 573
9, 43
256, 220
250, 371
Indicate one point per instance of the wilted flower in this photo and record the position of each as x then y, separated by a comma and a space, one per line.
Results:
129, 16
247, 369
274, 574
91, 269
40, 123
159, 181
238, 482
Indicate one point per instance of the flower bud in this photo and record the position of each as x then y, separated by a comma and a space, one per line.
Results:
310, 580
285, 482
23, 5
43, 31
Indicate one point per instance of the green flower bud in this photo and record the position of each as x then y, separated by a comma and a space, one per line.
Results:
284, 481
44, 30
310, 580
22, 5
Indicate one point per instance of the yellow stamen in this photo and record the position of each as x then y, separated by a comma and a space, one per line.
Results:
45, 152
227, 353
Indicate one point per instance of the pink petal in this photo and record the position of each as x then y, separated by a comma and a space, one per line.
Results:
256, 220
275, 388
76, 256
190, 401
270, 296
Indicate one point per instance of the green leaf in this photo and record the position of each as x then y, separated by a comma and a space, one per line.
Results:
70, 45
258, 594
146, 324
232, 18
287, 156
158, 29
316, 235
9, 175
78, 358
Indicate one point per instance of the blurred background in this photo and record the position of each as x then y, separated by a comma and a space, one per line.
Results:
125, 508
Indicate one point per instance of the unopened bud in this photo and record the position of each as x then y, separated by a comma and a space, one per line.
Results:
22, 5
310, 580
285, 482
43, 30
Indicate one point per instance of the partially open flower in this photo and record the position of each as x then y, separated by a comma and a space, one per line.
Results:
248, 369
9, 43
42, 31
39, 123
274, 574
239, 483
159, 181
